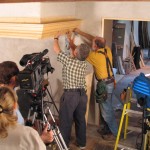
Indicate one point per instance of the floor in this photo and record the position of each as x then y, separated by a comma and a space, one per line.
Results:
94, 139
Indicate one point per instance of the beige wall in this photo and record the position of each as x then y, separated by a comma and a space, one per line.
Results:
92, 14
56, 9
20, 10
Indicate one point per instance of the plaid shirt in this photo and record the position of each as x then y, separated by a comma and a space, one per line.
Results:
73, 72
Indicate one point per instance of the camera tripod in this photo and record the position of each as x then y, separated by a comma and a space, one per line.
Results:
146, 129
40, 108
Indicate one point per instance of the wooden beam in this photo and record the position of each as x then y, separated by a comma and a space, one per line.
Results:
36, 20
37, 30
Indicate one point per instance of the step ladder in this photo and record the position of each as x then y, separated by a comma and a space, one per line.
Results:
127, 112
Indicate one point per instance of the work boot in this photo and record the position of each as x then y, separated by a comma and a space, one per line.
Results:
80, 147
109, 137
104, 130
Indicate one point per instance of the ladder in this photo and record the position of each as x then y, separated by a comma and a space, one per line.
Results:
127, 112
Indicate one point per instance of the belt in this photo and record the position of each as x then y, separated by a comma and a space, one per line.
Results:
74, 90
107, 80
80, 91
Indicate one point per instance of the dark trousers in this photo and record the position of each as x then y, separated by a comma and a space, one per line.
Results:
73, 108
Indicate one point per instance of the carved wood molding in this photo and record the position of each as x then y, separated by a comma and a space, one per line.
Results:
37, 30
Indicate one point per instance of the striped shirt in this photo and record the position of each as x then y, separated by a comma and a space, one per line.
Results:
73, 72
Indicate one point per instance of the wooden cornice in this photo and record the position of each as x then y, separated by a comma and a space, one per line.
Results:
37, 29
21, 1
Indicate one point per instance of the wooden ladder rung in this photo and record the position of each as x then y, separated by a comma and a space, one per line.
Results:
133, 113
134, 129
125, 147
133, 100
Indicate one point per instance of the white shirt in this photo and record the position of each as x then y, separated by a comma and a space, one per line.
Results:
22, 138
19, 116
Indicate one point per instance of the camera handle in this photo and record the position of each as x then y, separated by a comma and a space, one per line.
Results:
56, 132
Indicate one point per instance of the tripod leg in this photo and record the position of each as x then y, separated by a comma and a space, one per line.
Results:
57, 140
28, 121
52, 100
58, 137
34, 117
29, 113
62, 140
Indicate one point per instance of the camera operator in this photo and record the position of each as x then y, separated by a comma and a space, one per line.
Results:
8, 76
13, 135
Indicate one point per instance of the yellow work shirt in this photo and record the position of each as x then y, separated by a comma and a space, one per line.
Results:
98, 60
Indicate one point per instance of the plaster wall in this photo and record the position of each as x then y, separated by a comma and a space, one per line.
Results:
20, 9
94, 12
55, 9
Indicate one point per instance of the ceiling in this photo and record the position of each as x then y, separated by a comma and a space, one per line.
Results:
20, 1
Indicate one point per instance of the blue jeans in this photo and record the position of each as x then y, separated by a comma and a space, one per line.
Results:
108, 112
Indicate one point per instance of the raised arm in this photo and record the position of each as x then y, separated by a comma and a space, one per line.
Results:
56, 46
86, 35
71, 43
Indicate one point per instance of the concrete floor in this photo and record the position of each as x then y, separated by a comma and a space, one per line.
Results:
94, 140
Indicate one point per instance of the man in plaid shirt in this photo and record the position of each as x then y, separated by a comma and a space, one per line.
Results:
74, 99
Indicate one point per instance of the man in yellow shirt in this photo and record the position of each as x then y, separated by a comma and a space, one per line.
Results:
101, 59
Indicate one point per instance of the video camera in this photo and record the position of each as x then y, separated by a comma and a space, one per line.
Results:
32, 76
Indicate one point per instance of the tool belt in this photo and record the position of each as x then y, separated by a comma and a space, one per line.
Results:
101, 92
107, 80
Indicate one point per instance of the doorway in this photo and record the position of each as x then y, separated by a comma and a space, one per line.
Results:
126, 34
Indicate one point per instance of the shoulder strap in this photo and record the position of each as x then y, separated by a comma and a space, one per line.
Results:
108, 63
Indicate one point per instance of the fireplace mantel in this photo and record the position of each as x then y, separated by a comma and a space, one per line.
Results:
36, 28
